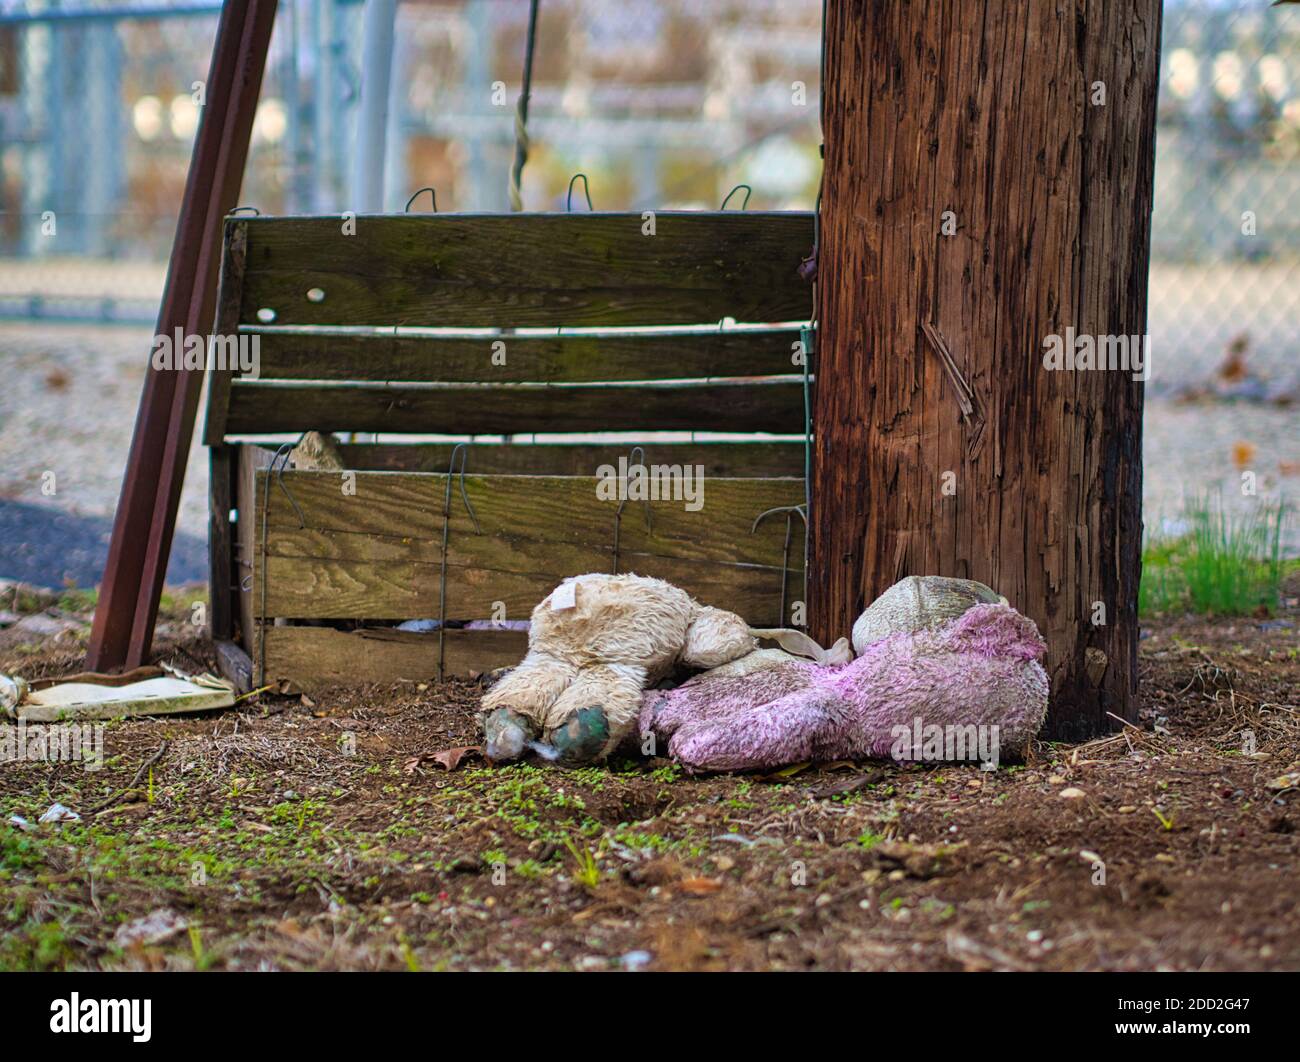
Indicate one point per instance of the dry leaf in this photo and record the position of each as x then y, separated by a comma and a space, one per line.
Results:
448, 759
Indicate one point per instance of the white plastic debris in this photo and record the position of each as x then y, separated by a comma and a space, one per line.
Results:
419, 626
89, 697
21, 823
153, 928
57, 812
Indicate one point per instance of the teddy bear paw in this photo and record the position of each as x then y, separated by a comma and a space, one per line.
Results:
506, 733
582, 737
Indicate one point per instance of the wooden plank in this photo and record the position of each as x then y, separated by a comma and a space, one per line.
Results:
334, 355
229, 287
315, 658
518, 517
248, 573
221, 545
310, 588
724, 459
770, 405
524, 270
377, 553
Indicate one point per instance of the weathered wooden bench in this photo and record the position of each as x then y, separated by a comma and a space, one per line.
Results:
398, 329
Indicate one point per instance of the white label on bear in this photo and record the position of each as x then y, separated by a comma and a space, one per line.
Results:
564, 596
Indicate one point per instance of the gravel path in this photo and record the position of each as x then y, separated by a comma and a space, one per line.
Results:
68, 404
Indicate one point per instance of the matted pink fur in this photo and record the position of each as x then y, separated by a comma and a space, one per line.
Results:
979, 670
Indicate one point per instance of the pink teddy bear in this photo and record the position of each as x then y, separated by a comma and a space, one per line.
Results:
969, 688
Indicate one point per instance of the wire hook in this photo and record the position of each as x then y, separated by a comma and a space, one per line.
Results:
460, 450
433, 194
789, 511
745, 203
278, 463
622, 504
586, 188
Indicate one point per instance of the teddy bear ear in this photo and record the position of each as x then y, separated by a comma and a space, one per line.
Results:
800, 644
716, 637
994, 630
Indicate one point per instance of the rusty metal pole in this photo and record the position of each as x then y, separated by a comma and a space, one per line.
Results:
160, 445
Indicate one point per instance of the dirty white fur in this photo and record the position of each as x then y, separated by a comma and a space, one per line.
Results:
918, 603
623, 634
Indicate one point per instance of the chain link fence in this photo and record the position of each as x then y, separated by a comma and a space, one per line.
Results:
662, 103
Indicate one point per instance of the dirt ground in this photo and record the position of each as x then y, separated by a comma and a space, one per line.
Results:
319, 833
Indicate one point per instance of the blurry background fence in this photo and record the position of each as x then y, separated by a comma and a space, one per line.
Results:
664, 103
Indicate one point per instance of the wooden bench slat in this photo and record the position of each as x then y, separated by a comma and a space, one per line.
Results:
521, 519
523, 270
302, 588
768, 405
729, 460
513, 358
589, 549
377, 553
318, 657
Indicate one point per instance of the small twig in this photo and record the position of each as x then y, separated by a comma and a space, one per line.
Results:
860, 781
253, 693
139, 774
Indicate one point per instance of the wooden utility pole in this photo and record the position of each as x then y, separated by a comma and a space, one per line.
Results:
988, 186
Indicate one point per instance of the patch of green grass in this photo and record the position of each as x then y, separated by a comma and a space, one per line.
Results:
669, 773
587, 871
77, 600
18, 851
36, 946
642, 841
1223, 564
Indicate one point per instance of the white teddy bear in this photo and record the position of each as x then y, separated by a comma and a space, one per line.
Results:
594, 645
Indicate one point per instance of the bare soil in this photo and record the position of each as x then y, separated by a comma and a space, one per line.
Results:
319, 833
